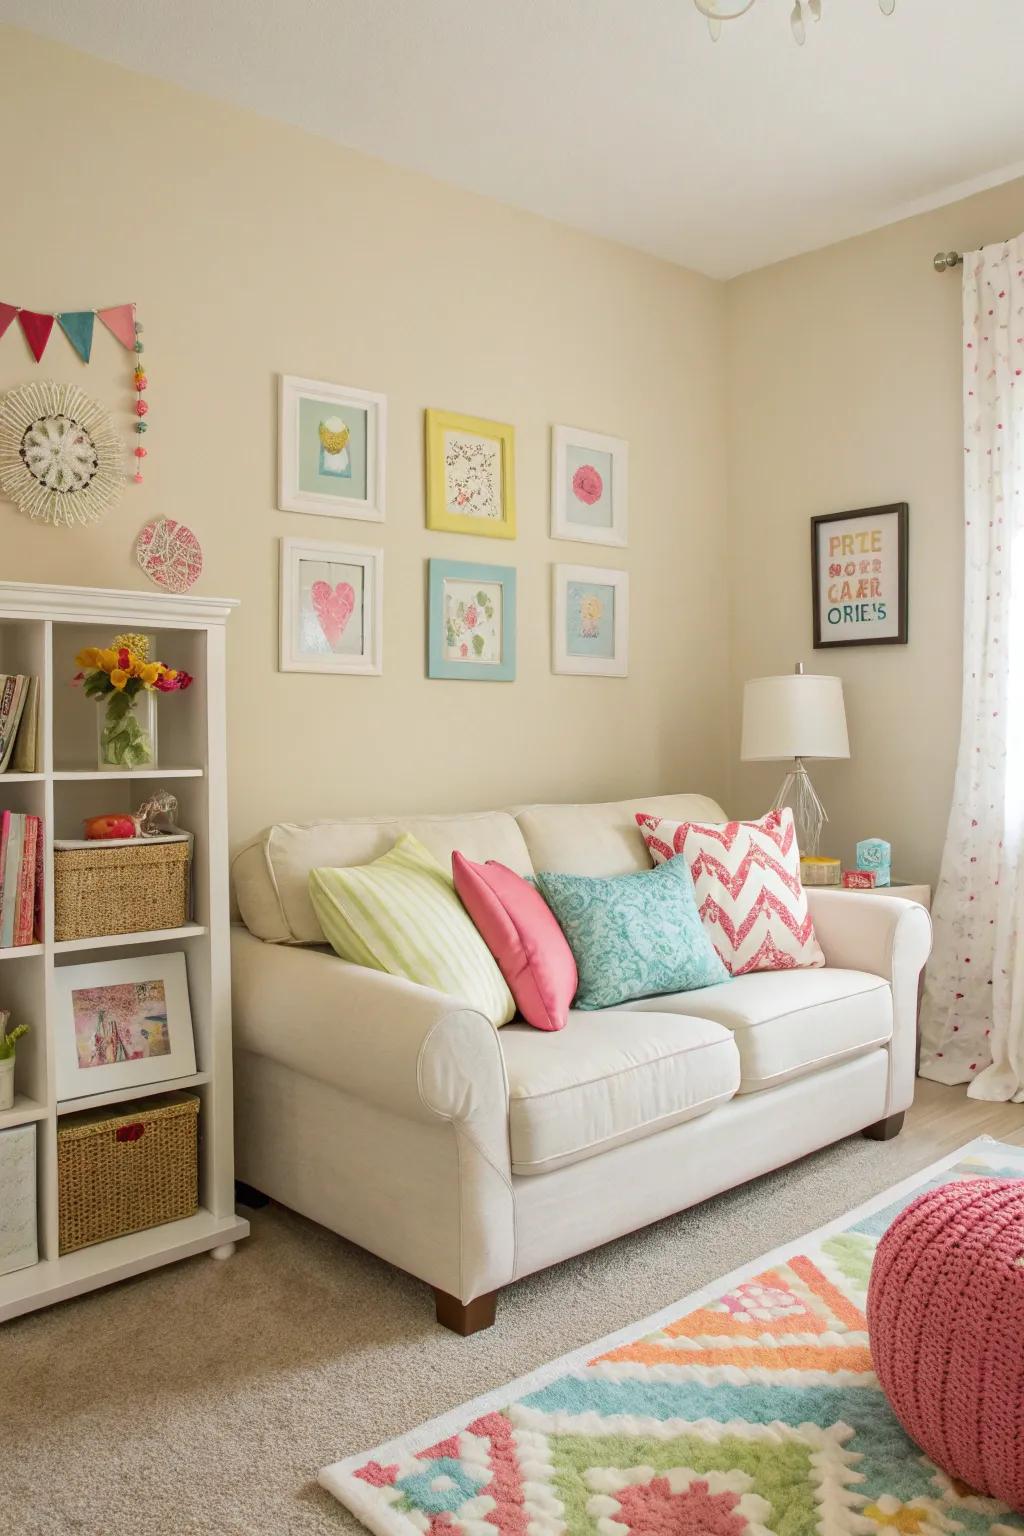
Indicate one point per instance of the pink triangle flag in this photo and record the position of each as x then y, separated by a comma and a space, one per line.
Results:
120, 322
37, 328
7, 314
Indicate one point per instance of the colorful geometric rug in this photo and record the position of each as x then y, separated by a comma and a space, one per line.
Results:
748, 1409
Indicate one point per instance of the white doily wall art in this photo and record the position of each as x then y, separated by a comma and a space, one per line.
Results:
170, 554
61, 461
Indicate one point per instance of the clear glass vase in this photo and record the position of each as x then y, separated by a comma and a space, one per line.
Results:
126, 734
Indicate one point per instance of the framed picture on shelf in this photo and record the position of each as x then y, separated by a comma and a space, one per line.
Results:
332, 450
472, 622
122, 1024
589, 487
471, 475
859, 570
332, 598
590, 607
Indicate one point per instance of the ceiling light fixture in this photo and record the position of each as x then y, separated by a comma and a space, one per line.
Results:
717, 11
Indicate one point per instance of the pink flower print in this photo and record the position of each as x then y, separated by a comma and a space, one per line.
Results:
587, 485
471, 616
463, 649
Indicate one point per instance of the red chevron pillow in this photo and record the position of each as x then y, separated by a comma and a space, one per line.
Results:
746, 875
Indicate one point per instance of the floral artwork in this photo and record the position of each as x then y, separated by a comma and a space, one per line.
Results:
589, 487
472, 475
472, 620
123, 1022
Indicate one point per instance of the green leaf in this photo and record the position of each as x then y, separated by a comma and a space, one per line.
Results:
478, 644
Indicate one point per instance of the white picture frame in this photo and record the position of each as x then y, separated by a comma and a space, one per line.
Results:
325, 590
587, 640
103, 1011
350, 482
589, 487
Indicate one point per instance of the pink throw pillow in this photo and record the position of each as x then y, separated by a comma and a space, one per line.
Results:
746, 877
522, 933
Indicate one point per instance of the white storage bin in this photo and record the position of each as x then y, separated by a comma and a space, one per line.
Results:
18, 1247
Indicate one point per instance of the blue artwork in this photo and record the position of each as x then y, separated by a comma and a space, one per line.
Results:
590, 619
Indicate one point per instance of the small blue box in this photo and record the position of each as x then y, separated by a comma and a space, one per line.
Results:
876, 854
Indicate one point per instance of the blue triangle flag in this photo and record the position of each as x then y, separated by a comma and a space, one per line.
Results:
77, 327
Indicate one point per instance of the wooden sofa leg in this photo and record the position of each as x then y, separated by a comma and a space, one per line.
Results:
885, 1130
466, 1317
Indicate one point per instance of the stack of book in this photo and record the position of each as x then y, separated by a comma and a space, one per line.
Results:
19, 722
21, 879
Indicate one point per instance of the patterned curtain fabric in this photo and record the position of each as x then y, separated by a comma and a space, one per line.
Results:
973, 1016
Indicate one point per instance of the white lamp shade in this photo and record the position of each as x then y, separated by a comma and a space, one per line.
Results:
795, 715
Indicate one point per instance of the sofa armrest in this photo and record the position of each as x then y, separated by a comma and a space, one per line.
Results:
389, 1042
885, 936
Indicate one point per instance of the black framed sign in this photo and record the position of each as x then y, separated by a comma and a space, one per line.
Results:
859, 576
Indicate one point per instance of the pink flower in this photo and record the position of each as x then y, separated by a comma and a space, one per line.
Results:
471, 616
587, 484
463, 649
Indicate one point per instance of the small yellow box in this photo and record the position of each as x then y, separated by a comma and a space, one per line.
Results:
815, 870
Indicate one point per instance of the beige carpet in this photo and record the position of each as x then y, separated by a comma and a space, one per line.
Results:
204, 1398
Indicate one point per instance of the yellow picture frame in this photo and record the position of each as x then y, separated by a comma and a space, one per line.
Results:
474, 479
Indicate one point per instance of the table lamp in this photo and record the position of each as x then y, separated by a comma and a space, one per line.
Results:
795, 716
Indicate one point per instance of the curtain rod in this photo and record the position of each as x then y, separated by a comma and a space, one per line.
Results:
942, 261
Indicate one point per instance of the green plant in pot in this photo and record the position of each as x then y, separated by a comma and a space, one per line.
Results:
8, 1041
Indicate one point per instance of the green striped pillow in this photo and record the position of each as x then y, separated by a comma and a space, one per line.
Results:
400, 914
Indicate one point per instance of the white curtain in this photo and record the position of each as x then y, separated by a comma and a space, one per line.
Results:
973, 1016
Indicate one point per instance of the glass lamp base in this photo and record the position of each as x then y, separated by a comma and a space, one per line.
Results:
809, 815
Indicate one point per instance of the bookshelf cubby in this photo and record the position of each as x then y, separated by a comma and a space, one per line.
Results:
42, 628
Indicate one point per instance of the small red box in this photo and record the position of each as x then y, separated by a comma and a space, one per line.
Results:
859, 879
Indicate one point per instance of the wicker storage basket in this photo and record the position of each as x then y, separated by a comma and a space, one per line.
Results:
120, 888
128, 1168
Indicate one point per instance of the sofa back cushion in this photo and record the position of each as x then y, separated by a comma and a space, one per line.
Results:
271, 874
602, 839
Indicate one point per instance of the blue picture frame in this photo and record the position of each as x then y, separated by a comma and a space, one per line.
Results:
471, 621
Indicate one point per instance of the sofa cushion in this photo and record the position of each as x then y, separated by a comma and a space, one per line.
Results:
400, 914
633, 935
608, 1078
271, 873
601, 839
788, 1023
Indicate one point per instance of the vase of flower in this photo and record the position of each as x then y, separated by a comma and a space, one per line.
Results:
125, 683
126, 730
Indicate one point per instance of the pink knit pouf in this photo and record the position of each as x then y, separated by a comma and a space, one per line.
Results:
946, 1327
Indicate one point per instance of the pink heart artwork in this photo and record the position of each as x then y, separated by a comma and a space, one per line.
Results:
333, 608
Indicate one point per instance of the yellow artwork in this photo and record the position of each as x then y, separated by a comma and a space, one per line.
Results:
471, 475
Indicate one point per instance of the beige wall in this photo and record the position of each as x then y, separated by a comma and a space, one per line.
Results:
253, 250
845, 392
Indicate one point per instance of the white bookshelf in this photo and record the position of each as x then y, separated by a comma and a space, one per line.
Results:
41, 630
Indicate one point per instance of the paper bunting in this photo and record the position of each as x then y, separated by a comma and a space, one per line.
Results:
37, 330
77, 326
120, 322
7, 314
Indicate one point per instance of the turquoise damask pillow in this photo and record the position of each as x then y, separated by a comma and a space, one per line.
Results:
633, 935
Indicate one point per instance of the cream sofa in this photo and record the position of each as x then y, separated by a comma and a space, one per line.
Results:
470, 1157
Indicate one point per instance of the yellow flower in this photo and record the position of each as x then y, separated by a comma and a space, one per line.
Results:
149, 673
107, 660
137, 644
89, 657
170, 674
118, 677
